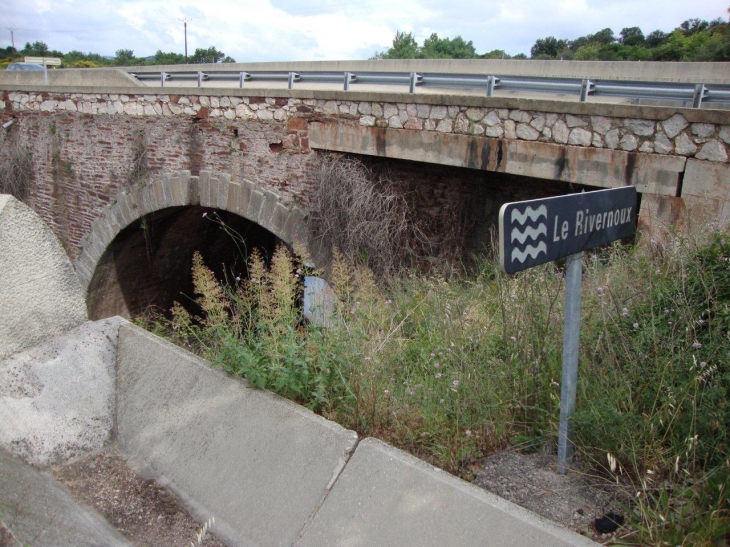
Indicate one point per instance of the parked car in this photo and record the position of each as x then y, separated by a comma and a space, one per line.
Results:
24, 66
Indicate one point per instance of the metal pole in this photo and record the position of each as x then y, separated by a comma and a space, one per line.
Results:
347, 81
699, 94
571, 339
162, 79
490, 85
412, 87
585, 87
200, 79
185, 22
291, 80
241, 79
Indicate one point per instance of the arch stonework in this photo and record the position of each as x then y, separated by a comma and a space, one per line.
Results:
262, 207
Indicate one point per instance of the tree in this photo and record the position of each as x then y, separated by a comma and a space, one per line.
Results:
693, 26
36, 49
656, 38
447, 48
209, 55
124, 57
171, 58
404, 47
631, 36
549, 47
604, 36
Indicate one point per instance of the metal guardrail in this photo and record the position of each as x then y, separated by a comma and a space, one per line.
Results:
697, 93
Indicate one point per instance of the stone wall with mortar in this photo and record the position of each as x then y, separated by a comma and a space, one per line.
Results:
89, 146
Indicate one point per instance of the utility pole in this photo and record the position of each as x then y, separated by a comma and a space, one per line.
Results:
185, 21
12, 37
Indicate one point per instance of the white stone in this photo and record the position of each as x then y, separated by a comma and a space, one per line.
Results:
279, 114
462, 124
215, 113
395, 123
225, 102
547, 134
157, 108
674, 125
713, 151
403, 116
560, 132
628, 142
503, 113
368, 121
646, 146
494, 131
509, 129
550, 119
411, 110
423, 110
365, 108
389, 110
120, 107
524, 131
264, 115
166, 110
48, 106
330, 107
642, 128
597, 141
611, 139
601, 124
203, 100
70, 105
429, 124
344, 109
492, 118
235, 101
703, 130
477, 129
580, 137
538, 122
684, 146
438, 113
453, 111
130, 109
575, 121
662, 144
377, 110
725, 134
243, 111
520, 116
474, 114
445, 126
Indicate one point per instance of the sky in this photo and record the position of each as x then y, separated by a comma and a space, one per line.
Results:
290, 30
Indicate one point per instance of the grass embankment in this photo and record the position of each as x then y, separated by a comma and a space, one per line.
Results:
453, 369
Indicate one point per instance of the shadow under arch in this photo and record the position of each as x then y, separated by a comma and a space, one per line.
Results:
138, 251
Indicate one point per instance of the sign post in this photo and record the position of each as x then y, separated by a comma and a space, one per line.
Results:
542, 230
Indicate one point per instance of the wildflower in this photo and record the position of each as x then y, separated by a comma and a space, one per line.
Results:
468, 432
666, 310
412, 393
238, 278
513, 338
455, 383
299, 270
205, 214
368, 358
625, 312
441, 401
386, 391
696, 345
389, 301
636, 325
437, 375
703, 364
433, 355
436, 365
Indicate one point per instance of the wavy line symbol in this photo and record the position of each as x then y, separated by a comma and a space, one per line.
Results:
534, 214
530, 251
530, 232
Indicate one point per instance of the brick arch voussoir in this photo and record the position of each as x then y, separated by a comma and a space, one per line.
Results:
262, 207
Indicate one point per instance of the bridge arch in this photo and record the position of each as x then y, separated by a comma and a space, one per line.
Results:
176, 197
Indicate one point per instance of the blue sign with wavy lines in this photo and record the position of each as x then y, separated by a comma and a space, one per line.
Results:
541, 230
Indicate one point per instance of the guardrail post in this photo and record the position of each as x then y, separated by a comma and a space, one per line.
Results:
200, 79
699, 95
162, 79
347, 81
585, 88
291, 80
241, 79
412, 87
490, 85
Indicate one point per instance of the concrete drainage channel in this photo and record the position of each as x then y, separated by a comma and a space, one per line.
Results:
269, 471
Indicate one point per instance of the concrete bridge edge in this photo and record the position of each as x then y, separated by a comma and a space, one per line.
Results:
263, 207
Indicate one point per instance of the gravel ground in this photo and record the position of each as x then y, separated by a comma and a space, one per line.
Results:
140, 509
574, 500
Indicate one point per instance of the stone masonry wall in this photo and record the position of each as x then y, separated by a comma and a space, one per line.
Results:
88, 146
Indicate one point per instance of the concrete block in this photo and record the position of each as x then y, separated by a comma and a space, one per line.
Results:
277, 220
40, 295
244, 197
204, 189
295, 227
654, 174
57, 398
234, 189
213, 192
254, 206
387, 497
222, 195
128, 206
706, 179
258, 463
38, 511
194, 190
267, 209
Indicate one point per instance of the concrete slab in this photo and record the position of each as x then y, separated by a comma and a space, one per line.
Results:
57, 399
40, 295
388, 497
37, 511
259, 464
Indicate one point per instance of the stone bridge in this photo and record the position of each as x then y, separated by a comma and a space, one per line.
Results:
125, 174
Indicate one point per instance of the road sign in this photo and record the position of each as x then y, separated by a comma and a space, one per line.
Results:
45, 61
541, 230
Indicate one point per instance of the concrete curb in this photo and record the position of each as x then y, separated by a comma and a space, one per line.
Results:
36, 511
260, 464
388, 497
